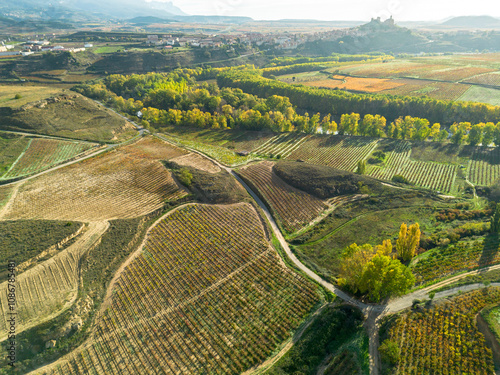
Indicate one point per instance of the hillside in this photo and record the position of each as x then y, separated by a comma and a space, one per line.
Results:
473, 22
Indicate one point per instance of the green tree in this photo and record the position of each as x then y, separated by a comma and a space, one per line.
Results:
495, 220
384, 276
361, 167
476, 134
185, 177
488, 133
389, 352
407, 242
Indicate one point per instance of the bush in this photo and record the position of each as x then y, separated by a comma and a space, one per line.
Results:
400, 179
17, 96
389, 352
185, 177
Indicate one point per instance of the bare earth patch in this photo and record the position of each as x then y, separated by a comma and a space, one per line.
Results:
196, 161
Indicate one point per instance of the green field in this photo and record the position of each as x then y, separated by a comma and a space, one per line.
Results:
482, 94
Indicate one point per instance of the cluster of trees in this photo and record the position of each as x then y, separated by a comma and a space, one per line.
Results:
177, 99
334, 57
338, 102
299, 65
378, 272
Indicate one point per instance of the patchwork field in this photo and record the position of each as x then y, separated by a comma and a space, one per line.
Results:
224, 305
440, 77
123, 183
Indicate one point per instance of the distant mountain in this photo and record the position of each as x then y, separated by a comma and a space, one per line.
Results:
473, 22
148, 20
213, 19
75, 10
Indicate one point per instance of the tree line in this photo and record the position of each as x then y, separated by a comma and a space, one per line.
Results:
177, 98
337, 102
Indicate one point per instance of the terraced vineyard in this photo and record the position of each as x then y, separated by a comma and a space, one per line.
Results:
435, 176
292, 207
206, 295
444, 339
49, 287
395, 161
484, 166
334, 151
281, 145
45, 153
124, 183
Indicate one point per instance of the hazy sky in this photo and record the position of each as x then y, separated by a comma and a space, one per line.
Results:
402, 10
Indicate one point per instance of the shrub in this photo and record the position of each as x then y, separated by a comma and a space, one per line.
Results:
389, 352
17, 96
400, 179
185, 177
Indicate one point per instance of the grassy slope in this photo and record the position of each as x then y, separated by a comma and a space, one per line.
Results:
73, 116
335, 330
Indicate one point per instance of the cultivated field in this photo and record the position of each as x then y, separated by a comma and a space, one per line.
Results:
484, 166
444, 339
11, 147
337, 152
196, 161
206, 295
440, 77
46, 289
292, 207
124, 183
44, 153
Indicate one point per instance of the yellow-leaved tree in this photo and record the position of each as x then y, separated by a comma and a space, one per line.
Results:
407, 242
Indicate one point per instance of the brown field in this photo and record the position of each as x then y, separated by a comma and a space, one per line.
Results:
355, 83
196, 161
124, 183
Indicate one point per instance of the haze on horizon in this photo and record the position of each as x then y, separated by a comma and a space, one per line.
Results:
351, 10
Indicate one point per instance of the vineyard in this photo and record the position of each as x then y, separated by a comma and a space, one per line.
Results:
462, 256
484, 166
206, 295
492, 79
292, 207
45, 153
46, 289
281, 145
395, 161
435, 176
124, 183
196, 161
444, 339
11, 147
334, 151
